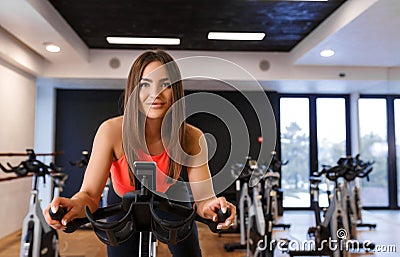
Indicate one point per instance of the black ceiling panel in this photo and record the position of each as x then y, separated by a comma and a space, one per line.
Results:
285, 23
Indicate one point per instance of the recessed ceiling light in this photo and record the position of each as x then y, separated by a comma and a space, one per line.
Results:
53, 48
327, 53
299, 0
236, 35
143, 41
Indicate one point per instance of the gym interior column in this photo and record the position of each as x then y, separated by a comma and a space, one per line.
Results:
354, 124
44, 131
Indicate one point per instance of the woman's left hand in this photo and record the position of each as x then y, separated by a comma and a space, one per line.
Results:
208, 210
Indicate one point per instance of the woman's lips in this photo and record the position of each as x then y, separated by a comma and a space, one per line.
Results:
156, 104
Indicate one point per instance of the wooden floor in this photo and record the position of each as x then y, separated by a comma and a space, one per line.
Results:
84, 243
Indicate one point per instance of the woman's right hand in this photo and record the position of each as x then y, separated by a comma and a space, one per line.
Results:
74, 209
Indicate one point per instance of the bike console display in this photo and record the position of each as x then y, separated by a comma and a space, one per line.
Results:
145, 175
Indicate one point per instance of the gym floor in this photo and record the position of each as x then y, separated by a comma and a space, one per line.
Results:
84, 243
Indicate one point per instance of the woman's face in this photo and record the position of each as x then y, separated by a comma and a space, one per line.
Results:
155, 93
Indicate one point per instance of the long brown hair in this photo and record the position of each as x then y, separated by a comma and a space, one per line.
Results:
175, 119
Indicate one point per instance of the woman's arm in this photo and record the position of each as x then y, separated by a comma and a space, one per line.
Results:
95, 177
200, 180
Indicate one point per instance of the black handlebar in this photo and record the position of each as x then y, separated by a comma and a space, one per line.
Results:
128, 207
276, 164
348, 168
244, 172
31, 165
83, 162
59, 214
75, 224
213, 225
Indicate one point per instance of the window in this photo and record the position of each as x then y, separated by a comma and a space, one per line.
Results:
374, 147
331, 136
295, 147
397, 135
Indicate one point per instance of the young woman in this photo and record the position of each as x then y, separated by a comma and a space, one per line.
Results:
154, 130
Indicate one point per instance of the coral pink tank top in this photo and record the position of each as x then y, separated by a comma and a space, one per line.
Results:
120, 176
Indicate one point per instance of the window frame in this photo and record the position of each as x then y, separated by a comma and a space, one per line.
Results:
313, 152
393, 201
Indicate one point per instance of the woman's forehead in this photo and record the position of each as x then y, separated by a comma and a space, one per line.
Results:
155, 70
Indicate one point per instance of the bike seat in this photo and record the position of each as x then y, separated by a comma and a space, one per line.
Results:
272, 174
59, 175
315, 180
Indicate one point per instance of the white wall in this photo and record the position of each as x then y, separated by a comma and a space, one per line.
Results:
17, 118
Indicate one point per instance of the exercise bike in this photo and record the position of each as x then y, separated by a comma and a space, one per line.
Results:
143, 212
38, 238
255, 224
272, 193
334, 220
355, 168
355, 194
336, 225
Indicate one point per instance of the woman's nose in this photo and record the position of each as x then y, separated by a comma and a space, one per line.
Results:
155, 91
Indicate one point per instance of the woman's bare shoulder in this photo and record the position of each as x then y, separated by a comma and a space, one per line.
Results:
113, 122
192, 138
111, 126
192, 132
109, 136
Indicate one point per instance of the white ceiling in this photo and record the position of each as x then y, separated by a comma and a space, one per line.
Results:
365, 35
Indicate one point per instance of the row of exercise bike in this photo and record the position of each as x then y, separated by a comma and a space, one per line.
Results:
335, 230
259, 205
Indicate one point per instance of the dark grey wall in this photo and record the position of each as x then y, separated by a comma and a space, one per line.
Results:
78, 115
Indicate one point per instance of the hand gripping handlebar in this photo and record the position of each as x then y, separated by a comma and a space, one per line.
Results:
171, 222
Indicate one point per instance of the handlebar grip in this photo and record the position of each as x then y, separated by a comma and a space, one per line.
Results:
59, 213
75, 224
72, 225
100, 213
223, 216
213, 225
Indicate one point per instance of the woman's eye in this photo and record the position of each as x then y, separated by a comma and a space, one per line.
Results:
144, 84
166, 84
